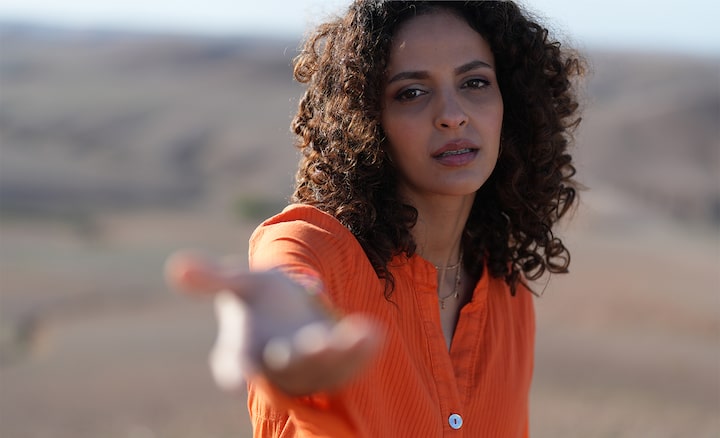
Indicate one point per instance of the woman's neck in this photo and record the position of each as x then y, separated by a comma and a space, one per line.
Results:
439, 228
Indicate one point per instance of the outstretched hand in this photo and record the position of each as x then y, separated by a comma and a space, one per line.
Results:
270, 325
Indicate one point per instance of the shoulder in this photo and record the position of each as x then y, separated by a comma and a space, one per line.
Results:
517, 309
302, 240
300, 217
303, 233
303, 223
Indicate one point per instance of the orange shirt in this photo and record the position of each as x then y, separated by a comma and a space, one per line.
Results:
416, 387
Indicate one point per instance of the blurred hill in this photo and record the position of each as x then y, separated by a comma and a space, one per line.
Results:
93, 120
652, 131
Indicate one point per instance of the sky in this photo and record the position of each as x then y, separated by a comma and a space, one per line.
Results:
661, 25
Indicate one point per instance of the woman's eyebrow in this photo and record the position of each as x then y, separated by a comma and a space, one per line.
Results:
472, 65
409, 75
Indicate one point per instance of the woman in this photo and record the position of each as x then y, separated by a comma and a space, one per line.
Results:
390, 299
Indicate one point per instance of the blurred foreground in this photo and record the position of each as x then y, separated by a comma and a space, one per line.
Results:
118, 149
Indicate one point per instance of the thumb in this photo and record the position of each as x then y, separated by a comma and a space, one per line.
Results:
192, 271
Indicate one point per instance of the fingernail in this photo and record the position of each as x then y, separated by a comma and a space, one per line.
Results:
226, 370
276, 354
311, 338
230, 313
349, 331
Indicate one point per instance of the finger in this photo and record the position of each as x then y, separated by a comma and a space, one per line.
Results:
277, 354
312, 339
195, 272
354, 336
320, 357
226, 369
355, 332
227, 363
309, 342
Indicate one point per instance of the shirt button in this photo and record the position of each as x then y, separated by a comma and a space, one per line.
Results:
455, 421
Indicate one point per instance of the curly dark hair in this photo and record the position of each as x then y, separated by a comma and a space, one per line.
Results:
346, 172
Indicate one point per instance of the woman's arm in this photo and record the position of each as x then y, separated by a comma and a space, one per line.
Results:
275, 327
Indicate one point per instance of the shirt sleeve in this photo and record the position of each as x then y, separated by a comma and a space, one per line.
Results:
305, 242
275, 414
306, 245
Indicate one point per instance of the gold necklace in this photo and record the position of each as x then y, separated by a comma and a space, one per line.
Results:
448, 267
456, 288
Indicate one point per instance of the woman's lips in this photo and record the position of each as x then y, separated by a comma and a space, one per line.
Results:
456, 153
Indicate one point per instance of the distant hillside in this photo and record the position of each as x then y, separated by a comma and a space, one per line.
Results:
652, 130
91, 119
97, 119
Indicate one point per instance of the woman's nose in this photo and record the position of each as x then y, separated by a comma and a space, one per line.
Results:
450, 114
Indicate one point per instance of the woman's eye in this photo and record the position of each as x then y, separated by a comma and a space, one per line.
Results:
409, 94
476, 83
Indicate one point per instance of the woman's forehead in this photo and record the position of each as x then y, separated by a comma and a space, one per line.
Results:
434, 39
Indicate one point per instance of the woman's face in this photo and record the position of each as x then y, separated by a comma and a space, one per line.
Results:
442, 108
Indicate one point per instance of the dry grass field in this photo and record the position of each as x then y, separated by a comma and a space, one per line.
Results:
118, 149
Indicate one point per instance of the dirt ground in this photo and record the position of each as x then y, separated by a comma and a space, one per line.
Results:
93, 345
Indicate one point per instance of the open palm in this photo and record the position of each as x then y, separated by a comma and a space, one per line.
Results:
269, 325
